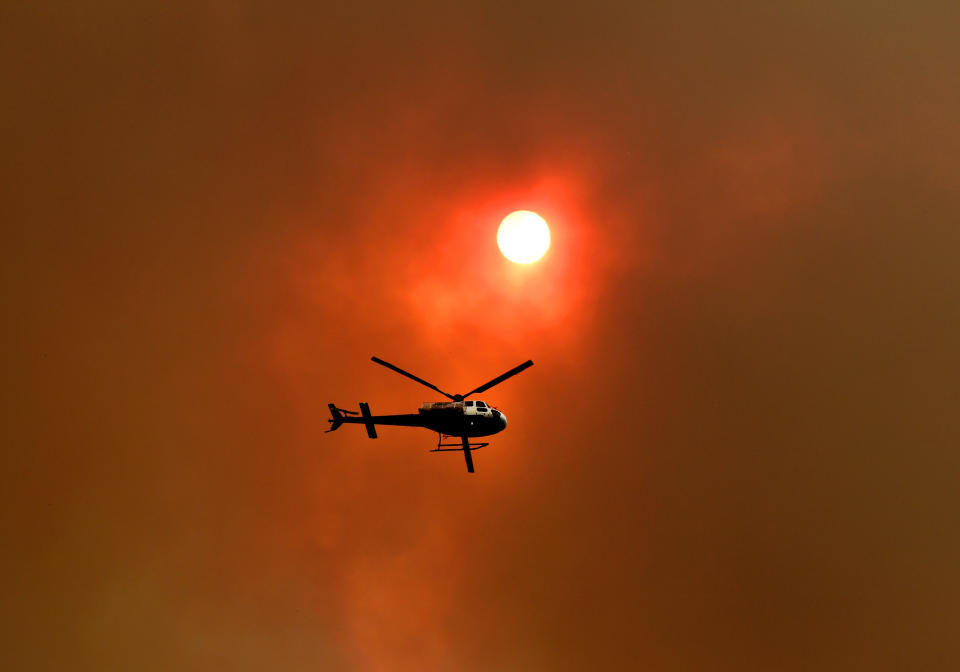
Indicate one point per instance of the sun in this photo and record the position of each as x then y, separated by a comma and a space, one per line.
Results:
523, 236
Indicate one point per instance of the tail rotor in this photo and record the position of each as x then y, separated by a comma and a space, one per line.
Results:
337, 418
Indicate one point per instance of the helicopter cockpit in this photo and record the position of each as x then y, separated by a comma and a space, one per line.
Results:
483, 409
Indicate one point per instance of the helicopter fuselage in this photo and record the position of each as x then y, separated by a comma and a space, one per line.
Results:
452, 418
462, 418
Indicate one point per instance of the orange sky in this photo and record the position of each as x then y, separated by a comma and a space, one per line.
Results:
736, 450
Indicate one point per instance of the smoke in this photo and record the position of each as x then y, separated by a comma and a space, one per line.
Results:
734, 450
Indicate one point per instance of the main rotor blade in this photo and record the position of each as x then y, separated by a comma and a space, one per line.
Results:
410, 376
499, 379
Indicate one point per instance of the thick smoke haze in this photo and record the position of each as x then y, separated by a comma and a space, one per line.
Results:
737, 449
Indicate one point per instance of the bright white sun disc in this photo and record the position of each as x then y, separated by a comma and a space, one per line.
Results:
523, 236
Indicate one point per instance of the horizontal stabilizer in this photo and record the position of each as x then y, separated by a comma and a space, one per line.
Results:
368, 420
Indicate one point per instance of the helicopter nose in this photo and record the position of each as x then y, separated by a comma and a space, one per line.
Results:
503, 419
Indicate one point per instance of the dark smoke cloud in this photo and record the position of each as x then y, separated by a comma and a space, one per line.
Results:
736, 449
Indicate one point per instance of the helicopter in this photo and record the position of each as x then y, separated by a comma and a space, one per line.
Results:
456, 418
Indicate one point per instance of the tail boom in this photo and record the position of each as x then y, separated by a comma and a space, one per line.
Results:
340, 416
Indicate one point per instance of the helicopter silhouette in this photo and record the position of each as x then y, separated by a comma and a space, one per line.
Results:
456, 418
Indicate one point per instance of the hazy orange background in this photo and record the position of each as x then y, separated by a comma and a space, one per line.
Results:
737, 449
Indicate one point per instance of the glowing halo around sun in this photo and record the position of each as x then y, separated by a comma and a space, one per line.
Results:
523, 236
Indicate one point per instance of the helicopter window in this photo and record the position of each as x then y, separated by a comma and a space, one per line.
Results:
480, 404
468, 403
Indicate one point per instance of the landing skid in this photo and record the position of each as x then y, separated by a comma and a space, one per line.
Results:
442, 447
463, 445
